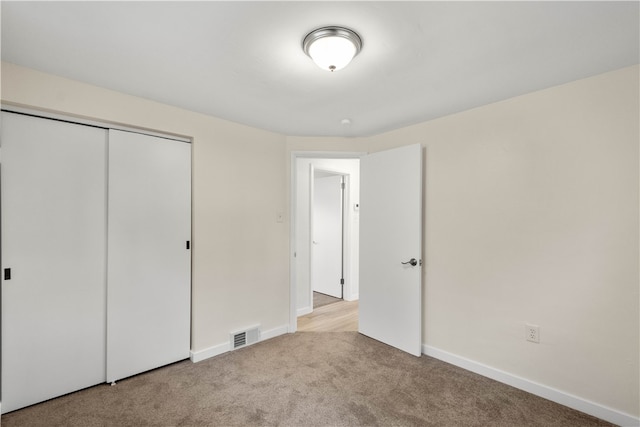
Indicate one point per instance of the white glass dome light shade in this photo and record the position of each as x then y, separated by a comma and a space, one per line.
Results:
332, 53
332, 48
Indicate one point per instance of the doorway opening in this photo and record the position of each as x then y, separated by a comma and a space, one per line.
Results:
322, 259
390, 233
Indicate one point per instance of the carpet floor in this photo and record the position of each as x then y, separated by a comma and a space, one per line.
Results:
304, 379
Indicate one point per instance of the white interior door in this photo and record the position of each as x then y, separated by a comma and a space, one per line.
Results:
390, 307
149, 285
326, 249
54, 243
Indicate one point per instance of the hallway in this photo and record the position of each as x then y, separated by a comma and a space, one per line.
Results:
340, 316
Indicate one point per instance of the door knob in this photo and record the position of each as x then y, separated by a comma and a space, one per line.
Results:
412, 261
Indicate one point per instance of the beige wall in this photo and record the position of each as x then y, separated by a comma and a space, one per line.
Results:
532, 216
240, 253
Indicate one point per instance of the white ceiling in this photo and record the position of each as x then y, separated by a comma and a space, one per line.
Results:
243, 61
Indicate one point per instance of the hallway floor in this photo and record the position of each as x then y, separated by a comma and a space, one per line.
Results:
340, 316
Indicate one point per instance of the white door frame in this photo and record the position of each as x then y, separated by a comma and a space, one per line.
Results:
295, 155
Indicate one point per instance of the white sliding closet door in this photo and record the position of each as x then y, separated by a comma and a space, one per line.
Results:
53, 242
149, 285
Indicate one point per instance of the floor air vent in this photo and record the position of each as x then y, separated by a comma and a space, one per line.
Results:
244, 338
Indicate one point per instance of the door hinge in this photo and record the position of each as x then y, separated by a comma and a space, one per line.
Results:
188, 244
342, 185
342, 281
7, 274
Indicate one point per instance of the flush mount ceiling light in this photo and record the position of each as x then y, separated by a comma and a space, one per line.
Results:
332, 48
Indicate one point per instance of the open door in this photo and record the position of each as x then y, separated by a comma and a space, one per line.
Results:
390, 307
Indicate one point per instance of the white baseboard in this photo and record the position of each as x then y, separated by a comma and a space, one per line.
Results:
275, 332
566, 399
304, 310
352, 297
198, 356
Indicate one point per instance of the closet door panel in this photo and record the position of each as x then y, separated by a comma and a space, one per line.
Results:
54, 242
149, 285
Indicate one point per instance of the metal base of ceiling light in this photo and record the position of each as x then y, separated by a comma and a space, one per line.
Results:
332, 48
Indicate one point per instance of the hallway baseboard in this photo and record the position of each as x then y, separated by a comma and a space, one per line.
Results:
304, 310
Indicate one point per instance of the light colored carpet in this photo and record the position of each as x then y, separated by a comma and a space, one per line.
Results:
304, 379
